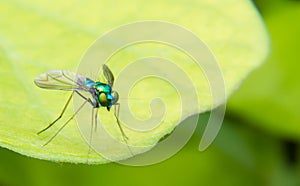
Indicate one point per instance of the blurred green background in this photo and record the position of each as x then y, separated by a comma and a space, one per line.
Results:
257, 145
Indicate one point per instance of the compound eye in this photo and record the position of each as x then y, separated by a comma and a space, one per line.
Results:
103, 99
116, 97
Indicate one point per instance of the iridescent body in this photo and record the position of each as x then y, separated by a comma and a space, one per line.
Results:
101, 93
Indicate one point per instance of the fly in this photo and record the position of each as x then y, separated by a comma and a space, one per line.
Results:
101, 93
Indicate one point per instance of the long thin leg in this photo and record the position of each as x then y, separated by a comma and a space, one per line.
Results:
61, 114
57, 132
116, 113
96, 119
91, 134
87, 99
125, 138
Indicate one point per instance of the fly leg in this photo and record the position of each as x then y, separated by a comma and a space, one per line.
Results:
125, 138
91, 133
61, 114
116, 113
57, 132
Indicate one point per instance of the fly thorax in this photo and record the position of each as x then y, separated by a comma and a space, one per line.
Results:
104, 94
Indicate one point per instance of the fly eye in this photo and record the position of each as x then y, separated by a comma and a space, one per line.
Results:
116, 97
103, 99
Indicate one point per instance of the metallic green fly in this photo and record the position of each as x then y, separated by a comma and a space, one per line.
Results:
101, 94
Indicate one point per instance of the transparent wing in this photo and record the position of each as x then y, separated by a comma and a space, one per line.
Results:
62, 80
108, 75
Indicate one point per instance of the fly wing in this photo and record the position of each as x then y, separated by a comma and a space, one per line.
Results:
61, 80
108, 75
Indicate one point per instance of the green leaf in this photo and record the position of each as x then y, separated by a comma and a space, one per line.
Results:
269, 98
37, 37
252, 157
